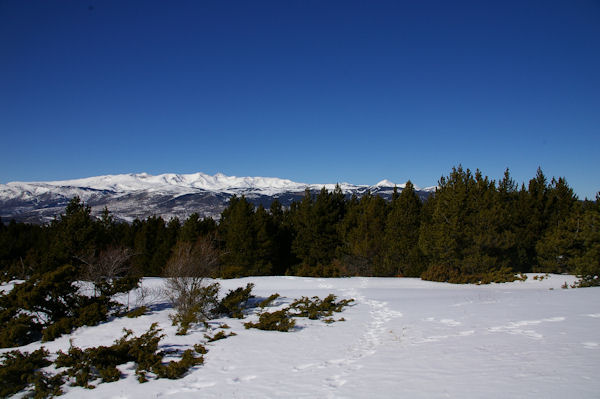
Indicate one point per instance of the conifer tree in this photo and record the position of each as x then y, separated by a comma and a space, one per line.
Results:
362, 227
265, 245
401, 235
315, 224
464, 238
282, 239
238, 233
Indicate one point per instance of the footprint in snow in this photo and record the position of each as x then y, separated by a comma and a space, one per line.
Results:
237, 380
448, 322
514, 327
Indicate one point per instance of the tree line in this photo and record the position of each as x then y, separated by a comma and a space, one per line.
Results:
472, 229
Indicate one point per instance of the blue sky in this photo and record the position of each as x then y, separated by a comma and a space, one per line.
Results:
314, 91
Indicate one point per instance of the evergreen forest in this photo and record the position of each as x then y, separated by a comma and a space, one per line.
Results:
471, 230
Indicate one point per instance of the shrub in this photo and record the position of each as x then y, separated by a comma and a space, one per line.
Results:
49, 305
194, 305
20, 370
454, 275
186, 287
137, 312
199, 348
275, 321
85, 366
316, 308
18, 329
177, 369
233, 304
218, 336
263, 304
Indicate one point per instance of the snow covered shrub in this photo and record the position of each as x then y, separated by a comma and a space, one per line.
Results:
279, 320
218, 336
317, 308
455, 275
86, 366
49, 305
267, 302
137, 312
235, 302
21, 370
199, 348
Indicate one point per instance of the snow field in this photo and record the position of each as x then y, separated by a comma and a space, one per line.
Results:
402, 338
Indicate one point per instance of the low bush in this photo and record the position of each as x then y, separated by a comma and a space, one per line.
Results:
137, 312
218, 336
317, 308
454, 275
279, 320
21, 370
193, 304
49, 305
89, 365
234, 303
267, 302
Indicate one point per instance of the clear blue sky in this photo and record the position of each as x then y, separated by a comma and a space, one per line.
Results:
314, 91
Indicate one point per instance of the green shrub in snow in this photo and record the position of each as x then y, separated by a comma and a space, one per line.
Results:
279, 320
315, 308
21, 370
233, 304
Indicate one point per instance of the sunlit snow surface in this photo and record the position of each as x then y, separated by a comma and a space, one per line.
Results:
404, 338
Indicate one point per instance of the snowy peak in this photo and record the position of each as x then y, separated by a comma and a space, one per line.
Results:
139, 195
170, 182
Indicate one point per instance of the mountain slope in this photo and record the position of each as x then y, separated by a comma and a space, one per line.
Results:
130, 196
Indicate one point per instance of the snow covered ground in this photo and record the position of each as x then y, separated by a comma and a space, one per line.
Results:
404, 338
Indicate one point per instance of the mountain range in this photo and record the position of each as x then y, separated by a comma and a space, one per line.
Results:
131, 196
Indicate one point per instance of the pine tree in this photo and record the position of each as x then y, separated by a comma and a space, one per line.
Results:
265, 244
464, 238
282, 239
238, 234
315, 223
362, 227
401, 235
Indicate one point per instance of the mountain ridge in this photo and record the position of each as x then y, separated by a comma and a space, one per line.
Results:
140, 195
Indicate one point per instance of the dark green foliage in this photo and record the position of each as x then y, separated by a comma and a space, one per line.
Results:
454, 276
574, 245
46, 386
361, 229
279, 320
470, 233
195, 304
47, 306
315, 222
238, 231
316, 308
20, 370
200, 349
218, 336
267, 302
401, 254
177, 369
18, 329
137, 312
89, 365
194, 228
233, 304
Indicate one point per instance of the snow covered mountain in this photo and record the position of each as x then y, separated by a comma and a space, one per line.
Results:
130, 196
